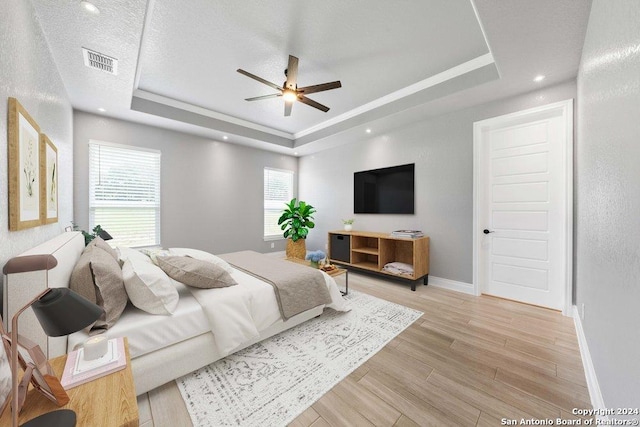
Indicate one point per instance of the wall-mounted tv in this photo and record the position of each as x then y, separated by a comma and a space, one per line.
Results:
384, 191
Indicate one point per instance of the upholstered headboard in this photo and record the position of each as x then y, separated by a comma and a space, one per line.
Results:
20, 288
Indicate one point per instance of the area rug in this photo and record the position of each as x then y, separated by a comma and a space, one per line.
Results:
274, 381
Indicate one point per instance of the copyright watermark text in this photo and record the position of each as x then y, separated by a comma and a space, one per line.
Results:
593, 417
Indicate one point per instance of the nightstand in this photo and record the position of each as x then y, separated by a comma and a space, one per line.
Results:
338, 271
108, 401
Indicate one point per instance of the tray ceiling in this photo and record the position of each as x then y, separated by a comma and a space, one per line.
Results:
178, 60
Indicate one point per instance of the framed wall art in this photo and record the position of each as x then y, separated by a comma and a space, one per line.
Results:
24, 168
49, 180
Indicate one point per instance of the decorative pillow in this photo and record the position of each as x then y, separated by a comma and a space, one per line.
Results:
98, 242
203, 256
148, 287
81, 278
155, 253
195, 272
97, 276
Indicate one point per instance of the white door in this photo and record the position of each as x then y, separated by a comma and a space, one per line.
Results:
523, 168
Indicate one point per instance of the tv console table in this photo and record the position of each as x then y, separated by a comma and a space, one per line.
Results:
371, 251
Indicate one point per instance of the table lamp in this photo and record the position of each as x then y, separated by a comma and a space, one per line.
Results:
60, 311
104, 235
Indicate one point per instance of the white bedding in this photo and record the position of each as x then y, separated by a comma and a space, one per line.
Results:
149, 332
238, 314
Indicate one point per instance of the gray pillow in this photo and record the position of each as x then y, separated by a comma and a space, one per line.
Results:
98, 242
194, 272
97, 276
81, 277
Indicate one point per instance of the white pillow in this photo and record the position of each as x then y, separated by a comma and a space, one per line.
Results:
202, 256
148, 287
125, 253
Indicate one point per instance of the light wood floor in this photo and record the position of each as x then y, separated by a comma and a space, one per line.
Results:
468, 361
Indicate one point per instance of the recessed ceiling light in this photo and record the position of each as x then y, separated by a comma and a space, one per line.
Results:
295, 153
368, 131
102, 110
225, 137
538, 78
90, 7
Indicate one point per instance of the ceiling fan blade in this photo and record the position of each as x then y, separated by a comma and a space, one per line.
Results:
319, 88
313, 103
258, 98
292, 73
260, 79
287, 108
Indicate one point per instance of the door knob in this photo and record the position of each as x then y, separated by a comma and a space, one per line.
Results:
485, 231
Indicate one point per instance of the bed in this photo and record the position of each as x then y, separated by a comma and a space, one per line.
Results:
206, 325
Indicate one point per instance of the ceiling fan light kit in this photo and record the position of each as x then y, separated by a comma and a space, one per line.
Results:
290, 91
289, 95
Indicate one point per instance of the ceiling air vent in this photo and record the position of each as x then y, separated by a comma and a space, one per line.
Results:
93, 59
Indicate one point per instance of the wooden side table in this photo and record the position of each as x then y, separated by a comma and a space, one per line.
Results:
339, 271
108, 401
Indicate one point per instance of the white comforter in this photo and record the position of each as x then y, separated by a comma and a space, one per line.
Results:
239, 313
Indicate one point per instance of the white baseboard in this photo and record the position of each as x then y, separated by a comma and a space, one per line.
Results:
452, 285
595, 393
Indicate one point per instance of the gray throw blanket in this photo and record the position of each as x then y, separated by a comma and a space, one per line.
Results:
298, 288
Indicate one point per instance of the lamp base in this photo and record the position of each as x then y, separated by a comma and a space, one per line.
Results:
59, 418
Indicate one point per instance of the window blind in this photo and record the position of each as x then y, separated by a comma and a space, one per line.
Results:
278, 190
124, 193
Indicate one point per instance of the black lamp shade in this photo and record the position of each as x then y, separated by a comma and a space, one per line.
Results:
104, 235
62, 311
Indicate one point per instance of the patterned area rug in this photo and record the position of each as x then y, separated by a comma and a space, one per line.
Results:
274, 381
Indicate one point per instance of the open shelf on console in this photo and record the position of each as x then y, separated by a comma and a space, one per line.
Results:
372, 251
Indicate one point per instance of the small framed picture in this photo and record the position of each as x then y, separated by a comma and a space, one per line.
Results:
37, 371
68, 228
48, 180
5, 377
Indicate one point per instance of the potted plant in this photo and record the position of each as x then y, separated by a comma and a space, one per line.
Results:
348, 224
97, 231
296, 220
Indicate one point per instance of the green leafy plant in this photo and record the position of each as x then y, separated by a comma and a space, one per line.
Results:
296, 220
348, 221
88, 237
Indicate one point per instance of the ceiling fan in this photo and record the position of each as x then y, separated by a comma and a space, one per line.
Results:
290, 91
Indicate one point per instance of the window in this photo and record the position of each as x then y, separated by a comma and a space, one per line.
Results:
278, 190
124, 193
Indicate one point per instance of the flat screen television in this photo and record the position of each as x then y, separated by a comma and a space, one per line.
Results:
384, 191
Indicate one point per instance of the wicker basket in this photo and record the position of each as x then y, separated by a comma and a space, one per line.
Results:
296, 249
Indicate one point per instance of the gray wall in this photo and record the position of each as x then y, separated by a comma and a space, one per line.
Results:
211, 191
442, 149
28, 73
607, 254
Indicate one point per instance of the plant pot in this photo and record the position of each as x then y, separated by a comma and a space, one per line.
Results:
348, 227
296, 249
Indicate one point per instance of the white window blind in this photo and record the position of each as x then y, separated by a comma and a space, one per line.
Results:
278, 190
124, 193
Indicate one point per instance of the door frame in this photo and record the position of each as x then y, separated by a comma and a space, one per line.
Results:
565, 110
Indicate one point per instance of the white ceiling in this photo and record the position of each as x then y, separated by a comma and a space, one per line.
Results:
178, 60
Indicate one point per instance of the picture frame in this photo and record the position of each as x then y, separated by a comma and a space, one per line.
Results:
24, 168
48, 180
37, 372
5, 376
